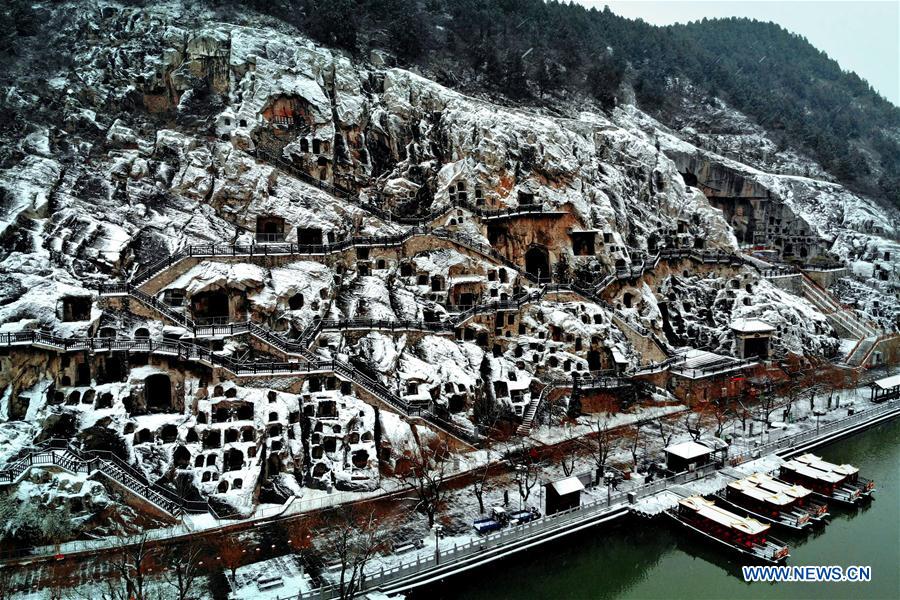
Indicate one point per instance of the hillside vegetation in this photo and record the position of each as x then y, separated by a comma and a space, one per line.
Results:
538, 52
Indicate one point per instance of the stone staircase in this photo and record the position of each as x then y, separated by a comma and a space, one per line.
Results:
55, 453
858, 356
597, 381
178, 262
530, 411
843, 319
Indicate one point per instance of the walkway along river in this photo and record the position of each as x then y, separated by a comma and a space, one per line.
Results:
647, 560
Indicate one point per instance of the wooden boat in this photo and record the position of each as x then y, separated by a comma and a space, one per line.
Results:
806, 499
840, 483
866, 486
771, 506
744, 535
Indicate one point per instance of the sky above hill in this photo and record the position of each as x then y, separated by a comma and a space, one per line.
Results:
862, 36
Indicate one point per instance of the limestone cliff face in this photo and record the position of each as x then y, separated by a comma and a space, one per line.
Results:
136, 132
801, 201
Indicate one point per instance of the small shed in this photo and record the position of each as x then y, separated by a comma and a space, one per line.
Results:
687, 456
886, 389
563, 494
752, 337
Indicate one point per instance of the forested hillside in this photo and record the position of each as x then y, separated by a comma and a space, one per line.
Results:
551, 53
542, 52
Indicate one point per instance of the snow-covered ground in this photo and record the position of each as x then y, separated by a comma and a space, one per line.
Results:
123, 160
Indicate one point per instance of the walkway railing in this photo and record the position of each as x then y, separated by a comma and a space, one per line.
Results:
58, 453
386, 215
792, 441
391, 578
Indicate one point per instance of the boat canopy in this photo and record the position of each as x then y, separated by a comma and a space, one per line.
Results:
707, 509
768, 483
750, 489
807, 471
816, 462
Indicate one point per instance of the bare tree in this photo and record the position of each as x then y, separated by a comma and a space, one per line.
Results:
524, 461
481, 477
768, 403
301, 532
634, 439
597, 444
425, 475
354, 535
56, 526
181, 568
694, 423
720, 412
131, 566
836, 379
230, 553
666, 431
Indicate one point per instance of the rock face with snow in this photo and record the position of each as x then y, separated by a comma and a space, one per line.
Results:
359, 218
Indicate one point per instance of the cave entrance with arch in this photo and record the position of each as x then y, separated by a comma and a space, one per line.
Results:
537, 263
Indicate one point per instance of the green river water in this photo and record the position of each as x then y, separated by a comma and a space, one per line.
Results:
649, 560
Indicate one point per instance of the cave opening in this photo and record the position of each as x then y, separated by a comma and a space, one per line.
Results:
309, 235
181, 457
234, 460
210, 306
583, 243
296, 301
537, 263
76, 308
158, 392
269, 229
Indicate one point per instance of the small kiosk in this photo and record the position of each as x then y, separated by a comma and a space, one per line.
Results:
687, 456
563, 494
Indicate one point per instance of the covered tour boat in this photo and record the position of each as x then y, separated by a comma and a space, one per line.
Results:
866, 486
806, 499
745, 535
775, 506
840, 483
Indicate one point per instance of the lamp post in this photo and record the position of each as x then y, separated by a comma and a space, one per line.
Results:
520, 481
818, 414
437, 548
